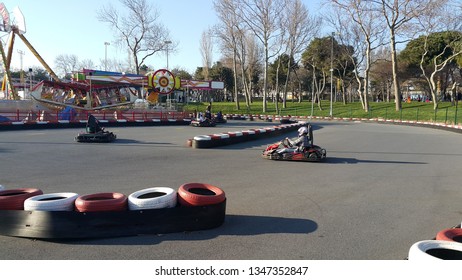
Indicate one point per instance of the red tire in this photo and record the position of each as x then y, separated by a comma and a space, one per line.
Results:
198, 194
14, 199
99, 202
452, 234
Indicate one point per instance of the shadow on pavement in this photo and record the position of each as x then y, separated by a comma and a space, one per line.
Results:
338, 160
234, 225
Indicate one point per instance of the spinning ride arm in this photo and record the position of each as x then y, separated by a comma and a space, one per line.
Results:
31, 48
7, 73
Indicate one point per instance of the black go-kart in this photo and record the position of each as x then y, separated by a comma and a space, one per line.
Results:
204, 123
94, 133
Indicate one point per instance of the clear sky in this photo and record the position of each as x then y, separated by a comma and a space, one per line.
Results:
57, 27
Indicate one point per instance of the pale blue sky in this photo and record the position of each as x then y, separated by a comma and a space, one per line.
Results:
57, 27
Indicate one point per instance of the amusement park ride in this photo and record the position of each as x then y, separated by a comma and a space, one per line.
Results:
90, 89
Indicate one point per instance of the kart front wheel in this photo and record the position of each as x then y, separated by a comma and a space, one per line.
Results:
313, 156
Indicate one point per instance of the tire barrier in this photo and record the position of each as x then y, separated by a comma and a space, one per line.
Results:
152, 198
228, 138
20, 125
199, 194
435, 250
51, 202
100, 202
14, 199
452, 234
104, 215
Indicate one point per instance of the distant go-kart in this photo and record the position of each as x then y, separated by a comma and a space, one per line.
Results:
95, 133
283, 150
204, 123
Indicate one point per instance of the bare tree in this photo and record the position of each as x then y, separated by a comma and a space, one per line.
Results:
116, 65
228, 32
398, 15
138, 30
263, 18
441, 16
368, 22
206, 49
349, 33
66, 63
301, 28
243, 40
254, 62
88, 64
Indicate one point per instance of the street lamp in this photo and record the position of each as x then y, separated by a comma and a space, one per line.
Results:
105, 55
167, 43
331, 72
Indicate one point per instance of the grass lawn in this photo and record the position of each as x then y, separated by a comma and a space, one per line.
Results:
414, 111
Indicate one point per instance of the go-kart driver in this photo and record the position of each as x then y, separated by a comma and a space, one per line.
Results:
93, 125
299, 143
303, 139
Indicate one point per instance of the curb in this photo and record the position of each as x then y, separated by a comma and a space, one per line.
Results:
450, 127
233, 137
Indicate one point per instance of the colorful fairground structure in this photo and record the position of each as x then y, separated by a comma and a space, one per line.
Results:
89, 90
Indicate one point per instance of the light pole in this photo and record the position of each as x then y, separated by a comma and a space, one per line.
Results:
167, 43
30, 80
21, 77
331, 72
105, 55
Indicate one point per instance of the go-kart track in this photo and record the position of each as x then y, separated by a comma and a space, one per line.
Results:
381, 188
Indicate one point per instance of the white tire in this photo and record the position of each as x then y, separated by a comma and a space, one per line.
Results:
2, 188
435, 250
51, 202
152, 198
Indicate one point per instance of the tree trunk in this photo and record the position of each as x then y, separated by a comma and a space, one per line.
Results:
236, 95
394, 64
284, 98
265, 80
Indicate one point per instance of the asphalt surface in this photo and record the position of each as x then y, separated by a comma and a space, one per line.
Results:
382, 188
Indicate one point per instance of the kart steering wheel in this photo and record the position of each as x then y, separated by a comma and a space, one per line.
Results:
286, 143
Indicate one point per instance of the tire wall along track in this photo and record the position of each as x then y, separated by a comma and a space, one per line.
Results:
229, 138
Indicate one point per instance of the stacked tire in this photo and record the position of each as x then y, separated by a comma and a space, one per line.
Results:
188, 195
101, 202
13, 199
152, 198
447, 245
51, 202
435, 250
450, 234
200, 194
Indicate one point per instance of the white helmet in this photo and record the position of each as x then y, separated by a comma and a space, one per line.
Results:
302, 130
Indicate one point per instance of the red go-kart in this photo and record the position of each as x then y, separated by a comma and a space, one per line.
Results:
283, 150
